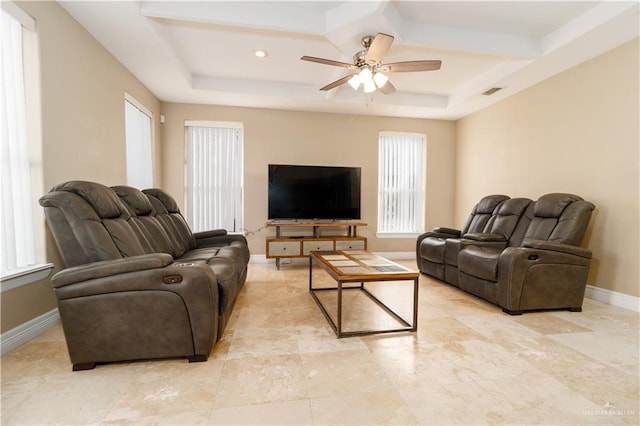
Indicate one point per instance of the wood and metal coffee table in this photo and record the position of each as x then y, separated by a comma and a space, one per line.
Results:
360, 266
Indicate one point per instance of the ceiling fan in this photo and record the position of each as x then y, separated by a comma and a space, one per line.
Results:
368, 69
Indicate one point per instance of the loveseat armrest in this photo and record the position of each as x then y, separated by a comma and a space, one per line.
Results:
549, 276
448, 231
430, 234
108, 268
436, 234
558, 247
482, 237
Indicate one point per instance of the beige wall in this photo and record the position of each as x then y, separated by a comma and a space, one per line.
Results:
288, 137
575, 132
82, 91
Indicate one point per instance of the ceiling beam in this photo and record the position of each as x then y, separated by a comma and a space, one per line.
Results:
285, 16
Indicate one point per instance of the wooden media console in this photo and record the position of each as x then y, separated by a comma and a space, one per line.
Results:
296, 245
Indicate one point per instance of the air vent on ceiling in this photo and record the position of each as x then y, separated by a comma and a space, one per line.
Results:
491, 91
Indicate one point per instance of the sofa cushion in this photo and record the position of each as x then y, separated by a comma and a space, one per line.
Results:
135, 199
104, 201
482, 212
480, 262
561, 218
169, 214
510, 220
144, 222
114, 217
432, 249
552, 205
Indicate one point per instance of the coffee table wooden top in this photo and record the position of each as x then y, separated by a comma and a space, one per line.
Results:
360, 265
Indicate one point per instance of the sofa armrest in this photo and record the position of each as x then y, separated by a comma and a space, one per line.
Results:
545, 277
138, 273
451, 233
447, 231
110, 268
558, 247
137, 287
210, 233
435, 234
481, 237
217, 237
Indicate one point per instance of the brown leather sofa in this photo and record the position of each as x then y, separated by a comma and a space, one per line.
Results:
528, 256
138, 283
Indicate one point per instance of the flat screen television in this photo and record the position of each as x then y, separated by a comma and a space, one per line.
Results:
313, 192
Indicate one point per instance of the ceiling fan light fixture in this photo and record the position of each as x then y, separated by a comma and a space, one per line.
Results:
369, 87
365, 75
354, 81
380, 79
368, 67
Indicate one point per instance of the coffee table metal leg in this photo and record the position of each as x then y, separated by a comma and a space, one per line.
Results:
339, 325
415, 304
313, 291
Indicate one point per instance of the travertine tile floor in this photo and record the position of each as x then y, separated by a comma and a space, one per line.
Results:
280, 363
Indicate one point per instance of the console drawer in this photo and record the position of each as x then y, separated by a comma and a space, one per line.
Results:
283, 248
350, 245
308, 246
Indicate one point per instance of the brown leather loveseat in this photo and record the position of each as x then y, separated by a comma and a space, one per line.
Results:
527, 256
138, 283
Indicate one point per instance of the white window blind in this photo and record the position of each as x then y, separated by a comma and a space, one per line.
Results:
401, 182
139, 144
214, 176
18, 242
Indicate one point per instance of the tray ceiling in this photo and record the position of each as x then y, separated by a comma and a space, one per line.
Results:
202, 51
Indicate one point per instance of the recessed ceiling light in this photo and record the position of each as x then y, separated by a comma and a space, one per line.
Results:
260, 53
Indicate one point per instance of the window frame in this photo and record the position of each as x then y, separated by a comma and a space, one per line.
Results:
40, 269
421, 191
151, 148
222, 125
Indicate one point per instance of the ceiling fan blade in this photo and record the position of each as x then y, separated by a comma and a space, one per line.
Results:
388, 88
327, 62
337, 83
411, 66
379, 47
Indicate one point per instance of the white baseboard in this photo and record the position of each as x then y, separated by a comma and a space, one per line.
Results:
258, 258
29, 330
613, 298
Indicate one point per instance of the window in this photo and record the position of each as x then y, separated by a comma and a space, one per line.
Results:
214, 175
401, 183
139, 144
22, 241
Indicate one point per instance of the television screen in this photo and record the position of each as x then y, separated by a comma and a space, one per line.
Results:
313, 192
